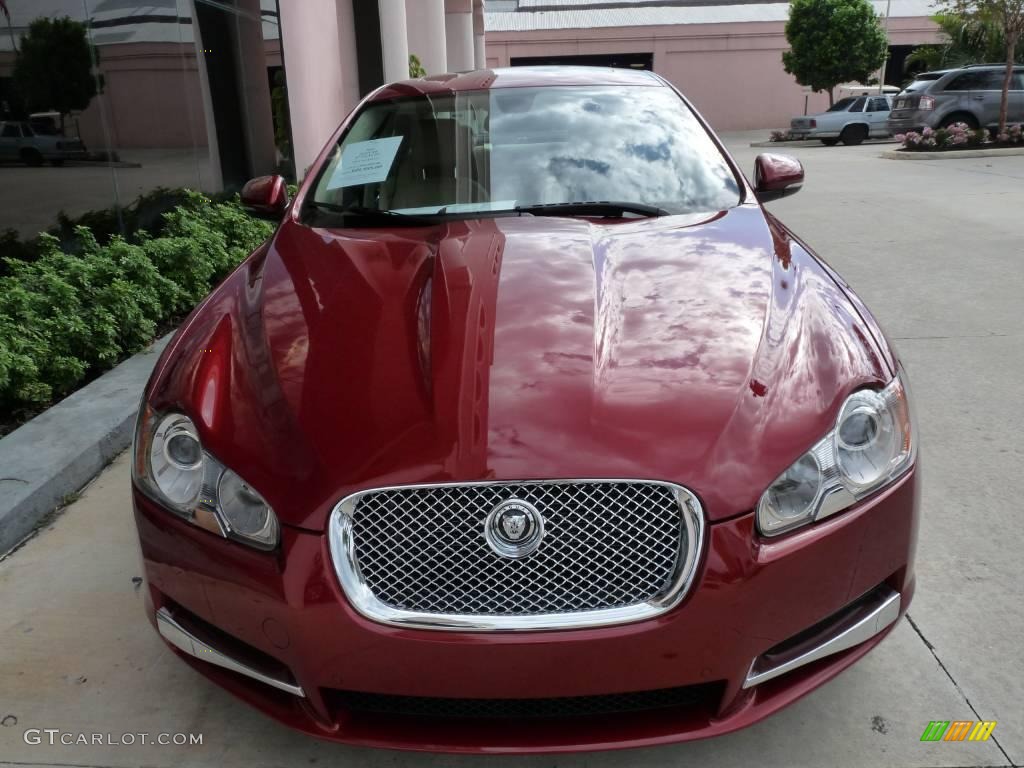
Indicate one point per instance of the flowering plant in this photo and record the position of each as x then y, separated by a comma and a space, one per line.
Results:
955, 136
914, 141
1014, 134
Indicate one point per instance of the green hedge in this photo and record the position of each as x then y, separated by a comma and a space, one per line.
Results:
144, 215
65, 317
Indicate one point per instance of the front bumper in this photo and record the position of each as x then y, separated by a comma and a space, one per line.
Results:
813, 133
66, 154
285, 615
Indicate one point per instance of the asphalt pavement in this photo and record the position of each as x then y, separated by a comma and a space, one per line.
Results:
934, 248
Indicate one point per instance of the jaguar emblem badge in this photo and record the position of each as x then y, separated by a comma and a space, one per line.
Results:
513, 525
514, 528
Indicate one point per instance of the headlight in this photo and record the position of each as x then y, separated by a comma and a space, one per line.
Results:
871, 445
176, 462
171, 467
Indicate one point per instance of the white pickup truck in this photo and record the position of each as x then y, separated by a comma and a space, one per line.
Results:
20, 143
850, 120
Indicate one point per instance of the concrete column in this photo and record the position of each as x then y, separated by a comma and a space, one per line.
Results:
479, 39
394, 40
458, 26
320, 64
426, 24
348, 53
214, 182
254, 88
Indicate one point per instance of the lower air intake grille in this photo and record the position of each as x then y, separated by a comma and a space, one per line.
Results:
570, 706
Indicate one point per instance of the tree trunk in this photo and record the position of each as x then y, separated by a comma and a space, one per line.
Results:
831, 99
1011, 47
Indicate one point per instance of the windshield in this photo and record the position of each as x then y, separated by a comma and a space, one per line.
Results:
483, 152
842, 104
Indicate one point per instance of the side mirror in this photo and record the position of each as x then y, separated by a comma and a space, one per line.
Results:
266, 197
776, 176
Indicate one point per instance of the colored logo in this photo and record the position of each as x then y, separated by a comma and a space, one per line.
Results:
958, 730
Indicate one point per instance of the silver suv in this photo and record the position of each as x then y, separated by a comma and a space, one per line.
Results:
965, 95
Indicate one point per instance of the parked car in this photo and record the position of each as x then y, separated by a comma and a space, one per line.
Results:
859, 89
850, 120
968, 95
45, 123
528, 430
19, 142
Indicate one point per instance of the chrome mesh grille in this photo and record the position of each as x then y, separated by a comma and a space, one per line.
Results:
606, 545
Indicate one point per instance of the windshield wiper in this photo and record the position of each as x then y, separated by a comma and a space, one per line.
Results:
363, 212
591, 208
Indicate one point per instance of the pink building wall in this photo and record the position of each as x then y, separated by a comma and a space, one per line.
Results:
151, 95
732, 72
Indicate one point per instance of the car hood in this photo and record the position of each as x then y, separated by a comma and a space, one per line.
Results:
709, 351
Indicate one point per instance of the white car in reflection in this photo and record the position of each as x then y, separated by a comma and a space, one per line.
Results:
20, 143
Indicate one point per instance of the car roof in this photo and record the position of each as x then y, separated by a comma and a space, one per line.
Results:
518, 77
935, 74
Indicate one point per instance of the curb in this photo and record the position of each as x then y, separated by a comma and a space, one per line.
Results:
814, 143
893, 154
63, 448
801, 143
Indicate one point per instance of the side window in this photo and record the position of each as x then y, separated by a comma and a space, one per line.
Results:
1017, 84
994, 81
977, 81
878, 105
962, 82
858, 105
11, 132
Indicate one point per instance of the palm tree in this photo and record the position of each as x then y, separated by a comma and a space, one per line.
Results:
969, 40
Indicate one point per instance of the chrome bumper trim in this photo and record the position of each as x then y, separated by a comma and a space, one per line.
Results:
186, 642
862, 624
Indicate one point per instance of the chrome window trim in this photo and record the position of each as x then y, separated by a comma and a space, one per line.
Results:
342, 551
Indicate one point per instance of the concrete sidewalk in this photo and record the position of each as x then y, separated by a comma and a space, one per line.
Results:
935, 250
78, 655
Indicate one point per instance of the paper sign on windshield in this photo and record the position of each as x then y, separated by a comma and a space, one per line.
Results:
365, 162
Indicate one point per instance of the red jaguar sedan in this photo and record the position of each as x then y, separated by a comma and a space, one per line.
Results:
529, 430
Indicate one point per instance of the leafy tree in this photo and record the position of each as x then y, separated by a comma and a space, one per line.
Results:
53, 69
1006, 17
832, 42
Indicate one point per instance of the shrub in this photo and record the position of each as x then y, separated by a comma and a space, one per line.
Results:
1014, 134
958, 135
146, 215
65, 316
